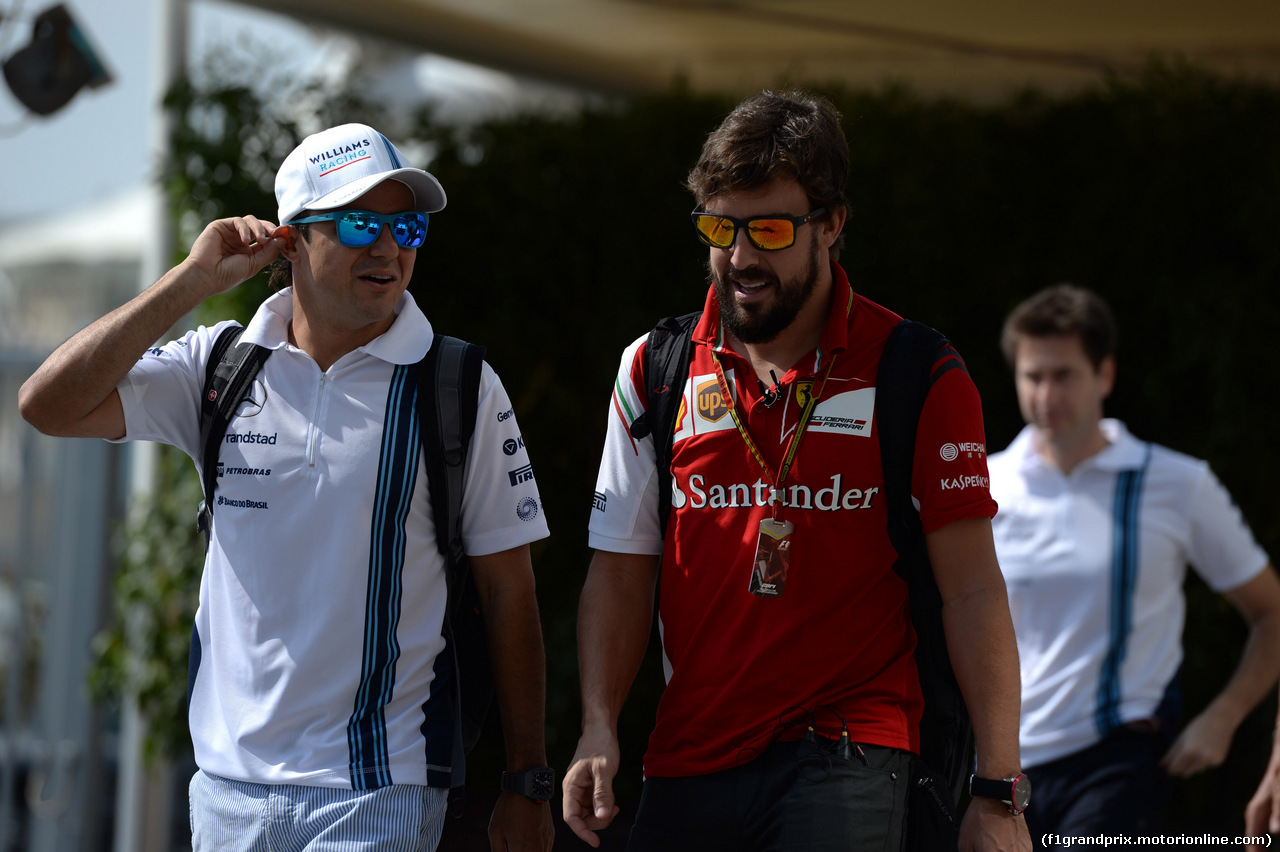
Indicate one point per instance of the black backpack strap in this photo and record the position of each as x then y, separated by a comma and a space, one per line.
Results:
228, 375
915, 356
448, 402
667, 354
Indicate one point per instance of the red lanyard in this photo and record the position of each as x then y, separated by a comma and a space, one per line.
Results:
793, 446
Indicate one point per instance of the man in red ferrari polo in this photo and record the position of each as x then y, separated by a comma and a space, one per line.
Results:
780, 612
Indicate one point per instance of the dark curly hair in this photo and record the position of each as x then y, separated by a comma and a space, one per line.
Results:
790, 134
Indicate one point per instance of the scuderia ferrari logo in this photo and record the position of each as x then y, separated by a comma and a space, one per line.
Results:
847, 413
803, 391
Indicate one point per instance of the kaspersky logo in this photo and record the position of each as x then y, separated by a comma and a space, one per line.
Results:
711, 403
962, 483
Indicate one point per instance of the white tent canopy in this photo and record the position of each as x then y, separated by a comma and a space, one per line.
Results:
981, 48
112, 229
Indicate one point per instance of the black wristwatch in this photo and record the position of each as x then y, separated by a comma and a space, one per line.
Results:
1014, 792
537, 783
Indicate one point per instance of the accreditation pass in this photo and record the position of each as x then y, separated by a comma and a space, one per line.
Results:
772, 559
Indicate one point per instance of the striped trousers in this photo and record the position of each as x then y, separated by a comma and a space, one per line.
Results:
239, 816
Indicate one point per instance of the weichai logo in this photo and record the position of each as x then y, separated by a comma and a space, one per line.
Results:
711, 403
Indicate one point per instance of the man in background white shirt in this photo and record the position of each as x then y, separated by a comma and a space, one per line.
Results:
1094, 532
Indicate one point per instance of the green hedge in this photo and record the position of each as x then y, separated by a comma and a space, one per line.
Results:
566, 237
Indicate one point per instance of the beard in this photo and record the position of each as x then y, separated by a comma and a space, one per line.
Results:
762, 323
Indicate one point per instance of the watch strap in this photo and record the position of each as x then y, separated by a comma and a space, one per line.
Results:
1003, 790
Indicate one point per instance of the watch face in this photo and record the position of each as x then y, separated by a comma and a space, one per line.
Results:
1021, 792
541, 783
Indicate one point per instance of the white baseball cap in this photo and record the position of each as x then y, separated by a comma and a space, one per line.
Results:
336, 166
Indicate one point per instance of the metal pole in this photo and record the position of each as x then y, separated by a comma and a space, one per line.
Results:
14, 744
62, 794
145, 795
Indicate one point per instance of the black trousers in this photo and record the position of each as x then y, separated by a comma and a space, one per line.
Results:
796, 796
1113, 787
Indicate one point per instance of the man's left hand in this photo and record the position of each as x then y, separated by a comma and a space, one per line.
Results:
1203, 744
989, 827
519, 824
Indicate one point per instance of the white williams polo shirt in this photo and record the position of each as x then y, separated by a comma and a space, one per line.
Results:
318, 636
1094, 562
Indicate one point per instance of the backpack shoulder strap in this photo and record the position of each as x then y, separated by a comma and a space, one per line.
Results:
448, 400
228, 375
667, 354
448, 379
907, 372
915, 357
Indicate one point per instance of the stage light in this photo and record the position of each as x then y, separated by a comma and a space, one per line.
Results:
57, 63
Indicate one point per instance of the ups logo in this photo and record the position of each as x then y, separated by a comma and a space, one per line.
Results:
711, 403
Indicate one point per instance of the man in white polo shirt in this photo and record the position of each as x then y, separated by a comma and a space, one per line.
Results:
320, 701
1094, 532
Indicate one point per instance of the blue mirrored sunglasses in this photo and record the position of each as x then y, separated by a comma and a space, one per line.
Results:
359, 228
